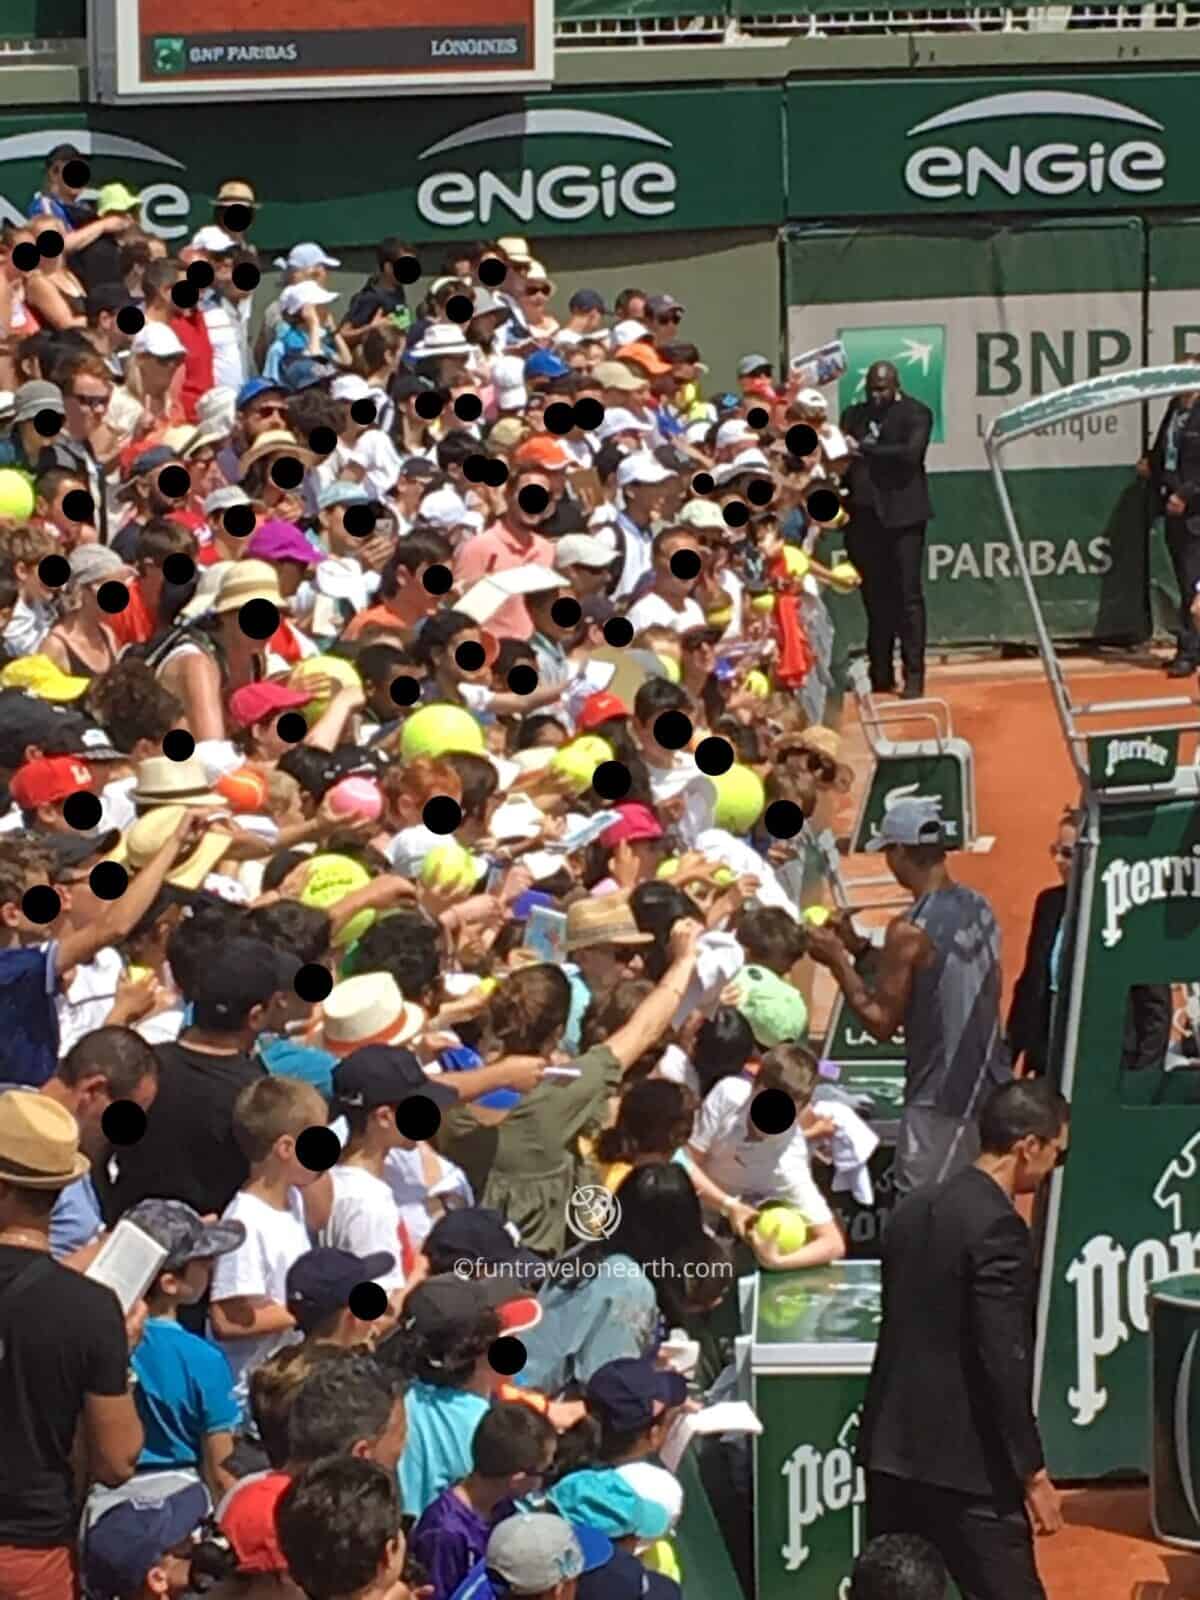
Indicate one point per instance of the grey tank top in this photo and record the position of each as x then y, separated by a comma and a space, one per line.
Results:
956, 1051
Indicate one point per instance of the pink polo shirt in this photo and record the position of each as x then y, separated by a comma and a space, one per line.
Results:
499, 549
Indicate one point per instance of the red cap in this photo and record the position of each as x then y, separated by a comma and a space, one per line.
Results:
602, 707
48, 780
637, 822
543, 450
248, 1522
255, 702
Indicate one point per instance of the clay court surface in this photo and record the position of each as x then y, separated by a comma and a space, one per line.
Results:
1106, 1551
254, 18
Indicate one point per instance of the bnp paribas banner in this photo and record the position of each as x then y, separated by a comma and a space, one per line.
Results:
978, 318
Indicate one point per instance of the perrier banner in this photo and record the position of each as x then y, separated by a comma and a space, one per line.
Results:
977, 318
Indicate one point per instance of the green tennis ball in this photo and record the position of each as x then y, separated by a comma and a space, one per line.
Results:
330, 879
757, 683
16, 494
438, 730
334, 667
578, 760
449, 868
783, 1225
818, 916
671, 667
740, 799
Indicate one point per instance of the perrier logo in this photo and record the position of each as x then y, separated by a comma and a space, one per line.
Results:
918, 354
168, 55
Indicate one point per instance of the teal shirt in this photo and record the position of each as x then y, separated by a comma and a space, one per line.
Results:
612, 1313
437, 1453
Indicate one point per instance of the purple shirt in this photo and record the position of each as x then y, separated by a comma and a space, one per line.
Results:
449, 1539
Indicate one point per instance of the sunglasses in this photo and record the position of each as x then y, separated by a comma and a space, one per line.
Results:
537, 288
671, 316
273, 408
1062, 852
92, 402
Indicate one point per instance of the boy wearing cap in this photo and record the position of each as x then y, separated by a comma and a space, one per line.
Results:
143, 1551
511, 1453
731, 1150
318, 1290
184, 1388
369, 1088
539, 1556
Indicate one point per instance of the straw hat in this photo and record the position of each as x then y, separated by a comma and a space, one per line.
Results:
368, 1010
604, 919
150, 832
820, 741
275, 442
39, 1142
245, 581
163, 782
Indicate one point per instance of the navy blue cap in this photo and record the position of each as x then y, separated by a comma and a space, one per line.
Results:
587, 300
623, 1577
123, 1544
253, 387
320, 1282
384, 1075
545, 364
631, 1392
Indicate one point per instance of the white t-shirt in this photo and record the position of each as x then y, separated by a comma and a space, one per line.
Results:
258, 1269
374, 452
652, 611
86, 1004
683, 777
365, 1219
405, 1174
29, 624
772, 1166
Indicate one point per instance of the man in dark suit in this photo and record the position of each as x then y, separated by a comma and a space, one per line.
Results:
1173, 468
948, 1437
889, 502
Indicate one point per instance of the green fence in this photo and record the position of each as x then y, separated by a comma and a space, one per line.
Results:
43, 19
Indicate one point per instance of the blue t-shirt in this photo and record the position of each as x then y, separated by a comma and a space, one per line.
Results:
285, 1058
441, 1426
76, 1218
28, 1014
184, 1392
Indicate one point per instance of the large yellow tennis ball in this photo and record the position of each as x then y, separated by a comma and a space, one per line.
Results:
334, 667
439, 729
720, 618
817, 915
16, 494
844, 577
671, 667
450, 869
796, 561
763, 602
784, 1226
330, 879
758, 683
740, 799
578, 760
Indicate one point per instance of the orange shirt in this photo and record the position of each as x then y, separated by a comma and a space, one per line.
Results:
499, 549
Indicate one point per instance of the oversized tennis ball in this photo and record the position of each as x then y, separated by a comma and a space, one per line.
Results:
668, 868
449, 869
671, 667
578, 760
740, 799
763, 602
16, 494
817, 915
844, 577
720, 618
796, 562
784, 1226
356, 797
331, 878
245, 789
757, 683
437, 730
334, 667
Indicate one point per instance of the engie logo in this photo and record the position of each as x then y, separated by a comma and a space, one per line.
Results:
1055, 168
568, 192
165, 206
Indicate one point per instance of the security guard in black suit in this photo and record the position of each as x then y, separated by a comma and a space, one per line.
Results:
889, 503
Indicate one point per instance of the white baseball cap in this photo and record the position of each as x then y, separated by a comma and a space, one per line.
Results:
617, 419
214, 241
641, 467
298, 295
350, 386
583, 550
752, 460
158, 339
628, 332
302, 256
731, 432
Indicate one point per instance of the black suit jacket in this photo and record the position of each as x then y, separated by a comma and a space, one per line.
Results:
1029, 1016
888, 478
949, 1400
1185, 479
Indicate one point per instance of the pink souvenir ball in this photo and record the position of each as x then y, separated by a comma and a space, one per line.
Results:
356, 797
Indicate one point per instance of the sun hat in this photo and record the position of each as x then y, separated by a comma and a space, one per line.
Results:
368, 1009
777, 1013
43, 677
163, 782
35, 396
246, 581
113, 197
275, 442
535, 272
234, 192
515, 248
603, 919
183, 1232
216, 407
601, 1499
302, 257
39, 1142
822, 741
152, 830
440, 339
486, 305
616, 375
277, 540
224, 498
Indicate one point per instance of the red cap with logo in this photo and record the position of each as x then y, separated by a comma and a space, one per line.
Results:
248, 1521
47, 780
600, 708
255, 702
